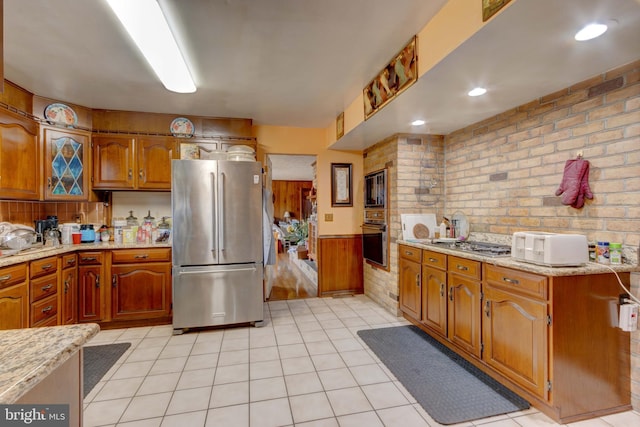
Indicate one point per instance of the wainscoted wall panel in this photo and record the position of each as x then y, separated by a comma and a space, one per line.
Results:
340, 265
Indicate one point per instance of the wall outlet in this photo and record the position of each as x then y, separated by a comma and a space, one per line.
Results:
328, 217
628, 317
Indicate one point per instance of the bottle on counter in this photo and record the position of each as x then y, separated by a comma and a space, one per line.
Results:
118, 229
443, 229
615, 253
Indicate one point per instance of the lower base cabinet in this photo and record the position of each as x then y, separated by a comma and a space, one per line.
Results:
14, 297
140, 284
90, 287
68, 291
551, 339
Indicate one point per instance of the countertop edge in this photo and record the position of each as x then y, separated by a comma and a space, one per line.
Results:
45, 251
508, 262
17, 377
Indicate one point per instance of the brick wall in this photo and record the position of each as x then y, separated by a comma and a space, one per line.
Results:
415, 185
503, 172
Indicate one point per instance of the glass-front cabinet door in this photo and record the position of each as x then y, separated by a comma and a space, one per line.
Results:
66, 164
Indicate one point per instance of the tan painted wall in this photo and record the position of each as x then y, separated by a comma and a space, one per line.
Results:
314, 141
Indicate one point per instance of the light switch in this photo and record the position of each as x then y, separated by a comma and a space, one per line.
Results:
328, 217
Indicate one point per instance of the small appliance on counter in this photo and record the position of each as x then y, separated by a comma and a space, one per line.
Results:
550, 249
87, 233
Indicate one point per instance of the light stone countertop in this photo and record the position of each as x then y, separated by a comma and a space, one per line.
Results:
589, 268
38, 252
27, 356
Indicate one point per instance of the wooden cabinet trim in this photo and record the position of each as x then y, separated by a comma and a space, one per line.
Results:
142, 255
43, 266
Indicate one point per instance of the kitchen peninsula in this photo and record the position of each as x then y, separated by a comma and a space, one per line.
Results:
532, 328
44, 366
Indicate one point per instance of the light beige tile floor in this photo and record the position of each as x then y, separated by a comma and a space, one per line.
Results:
305, 367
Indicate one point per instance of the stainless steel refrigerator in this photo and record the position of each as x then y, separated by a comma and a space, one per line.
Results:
217, 243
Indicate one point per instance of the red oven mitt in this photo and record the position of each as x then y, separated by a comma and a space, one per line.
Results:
575, 183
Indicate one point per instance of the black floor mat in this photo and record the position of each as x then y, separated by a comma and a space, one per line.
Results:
97, 360
448, 387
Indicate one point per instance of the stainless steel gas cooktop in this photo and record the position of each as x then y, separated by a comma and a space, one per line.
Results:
480, 248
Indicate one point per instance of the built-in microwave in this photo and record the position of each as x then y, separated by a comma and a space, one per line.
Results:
375, 189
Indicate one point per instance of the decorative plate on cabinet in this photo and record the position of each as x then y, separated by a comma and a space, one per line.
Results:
60, 114
182, 127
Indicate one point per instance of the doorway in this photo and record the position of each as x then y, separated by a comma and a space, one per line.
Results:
294, 275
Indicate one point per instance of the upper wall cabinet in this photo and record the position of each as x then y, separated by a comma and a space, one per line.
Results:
66, 165
128, 163
19, 157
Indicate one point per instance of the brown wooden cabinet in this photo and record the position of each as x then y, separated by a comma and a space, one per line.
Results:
140, 283
14, 297
20, 157
128, 163
68, 292
434, 291
43, 291
463, 312
409, 268
91, 294
66, 163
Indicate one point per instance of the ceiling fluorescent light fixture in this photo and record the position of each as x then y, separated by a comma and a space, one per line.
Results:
477, 91
590, 31
417, 122
147, 26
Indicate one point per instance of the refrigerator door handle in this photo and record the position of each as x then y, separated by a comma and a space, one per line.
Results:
221, 270
213, 212
221, 204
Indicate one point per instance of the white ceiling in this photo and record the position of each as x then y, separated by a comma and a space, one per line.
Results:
301, 62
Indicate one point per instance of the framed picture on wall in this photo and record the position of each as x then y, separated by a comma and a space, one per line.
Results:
341, 193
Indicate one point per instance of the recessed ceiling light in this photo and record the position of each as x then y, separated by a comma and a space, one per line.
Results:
477, 91
590, 31
417, 123
147, 26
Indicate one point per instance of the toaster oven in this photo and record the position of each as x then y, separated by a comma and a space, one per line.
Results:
550, 249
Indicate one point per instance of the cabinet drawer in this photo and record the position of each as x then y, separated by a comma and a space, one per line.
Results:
43, 310
465, 267
69, 261
410, 253
43, 266
434, 259
516, 281
129, 256
9, 276
90, 258
43, 287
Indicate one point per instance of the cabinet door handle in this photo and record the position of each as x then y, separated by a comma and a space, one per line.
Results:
114, 280
512, 281
47, 309
408, 253
46, 266
66, 285
143, 256
433, 260
49, 182
130, 174
71, 261
441, 289
418, 279
97, 280
462, 267
487, 309
88, 258
451, 293
5, 278
141, 173
47, 287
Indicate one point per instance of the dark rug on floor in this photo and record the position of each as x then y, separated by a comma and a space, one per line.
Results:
97, 360
448, 387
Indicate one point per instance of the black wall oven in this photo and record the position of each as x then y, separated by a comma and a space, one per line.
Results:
374, 243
